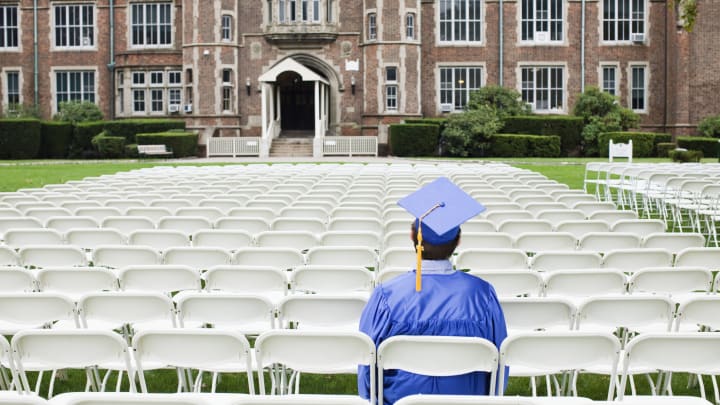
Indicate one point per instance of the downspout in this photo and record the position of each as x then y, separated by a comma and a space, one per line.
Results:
667, 85
111, 65
501, 40
582, 47
36, 74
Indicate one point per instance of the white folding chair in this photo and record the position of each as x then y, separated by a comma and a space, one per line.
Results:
342, 255
268, 282
209, 213
66, 223
499, 216
486, 259
43, 350
527, 314
212, 350
119, 256
185, 224
267, 214
578, 284
16, 279
331, 280
470, 240
588, 207
554, 260
581, 227
228, 239
75, 281
676, 282
20, 311
515, 227
43, 214
556, 216
640, 227
318, 352
52, 255
158, 239
534, 242
251, 225
8, 256
631, 260
300, 240
198, 258
545, 353
19, 237
673, 242
282, 258
165, 278
90, 238
602, 242
250, 314
127, 311
352, 238
627, 314
708, 258
698, 313
303, 212
612, 216
472, 225
441, 356
512, 282
320, 311
98, 213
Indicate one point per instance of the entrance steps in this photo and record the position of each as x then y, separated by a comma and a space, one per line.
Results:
291, 146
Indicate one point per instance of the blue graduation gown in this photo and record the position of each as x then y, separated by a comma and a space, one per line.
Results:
451, 303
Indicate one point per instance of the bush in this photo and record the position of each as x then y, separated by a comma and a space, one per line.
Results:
601, 113
708, 146
519, 145
131, 150
660, 138
20, 138
130, 128
469, 133
710, 126
109, 146
594, 103
414, 139
78, 111
21, 111
663, 149
568, 128
505, 101
642, 142
82, 138
182, 143
56, 137
684, 156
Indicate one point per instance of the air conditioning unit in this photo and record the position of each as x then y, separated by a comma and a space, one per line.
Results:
542, 36
174, 108
86, 41
447, 107
637, 37
187, 108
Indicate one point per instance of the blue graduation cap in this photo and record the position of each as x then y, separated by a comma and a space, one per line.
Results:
440, 208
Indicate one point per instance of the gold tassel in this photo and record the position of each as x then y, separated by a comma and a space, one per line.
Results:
419, 250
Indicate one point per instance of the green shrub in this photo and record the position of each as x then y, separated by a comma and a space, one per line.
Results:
710, 126
663, 149
20, 138
21, 111
642, 142
660, 138
109, 146
131, 127
414, 139
684, 156
708, 146
78, 111
521, 145
182, 143
568, 128
56, 137
505, 101
594, 103
440, 122
131, 150
82, 138
601, 113
469, 133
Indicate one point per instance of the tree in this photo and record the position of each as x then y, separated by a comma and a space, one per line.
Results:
601, 113
78, 111
506, 102
469, 133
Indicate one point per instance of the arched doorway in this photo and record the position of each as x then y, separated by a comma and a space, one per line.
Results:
297, 102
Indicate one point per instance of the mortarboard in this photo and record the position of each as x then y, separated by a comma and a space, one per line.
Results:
440, 207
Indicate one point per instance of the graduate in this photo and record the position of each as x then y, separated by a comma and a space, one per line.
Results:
433, 299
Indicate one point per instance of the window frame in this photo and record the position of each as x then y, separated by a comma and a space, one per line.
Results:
450, 25
226, 90
158, 26
601, 77
632, 86
8, 91
372, 34
7, 30
87, 88
410, 31
392, 90
226, 28
67, 26
548, 90
553, 20
635, 25
444, 91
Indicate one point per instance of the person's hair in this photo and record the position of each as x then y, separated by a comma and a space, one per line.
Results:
435, 252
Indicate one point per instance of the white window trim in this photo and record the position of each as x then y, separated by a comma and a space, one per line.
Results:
646, 24
618, 75
628, 73
3, 76
438, 78
53, 83
535, 42
414, 26
17, 48
229, 29
149, 81
222, 85
483, 27
149, 101
129, 19
147, 88
368, 38
387, 83
53, 25
566, 77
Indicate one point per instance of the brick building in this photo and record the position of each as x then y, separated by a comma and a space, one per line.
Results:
317, 67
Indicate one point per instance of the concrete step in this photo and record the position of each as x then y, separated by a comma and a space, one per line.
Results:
291, 147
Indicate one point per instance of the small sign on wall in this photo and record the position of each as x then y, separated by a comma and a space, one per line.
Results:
352, 65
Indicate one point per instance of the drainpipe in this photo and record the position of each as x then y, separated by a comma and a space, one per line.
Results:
667, 62
111, 65
582, 47
35, 54
500, 34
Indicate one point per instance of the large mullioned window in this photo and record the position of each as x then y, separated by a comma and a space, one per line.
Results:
460, 20
543, 88
542, 20
8, 27
74, 25
74, 86
456, 83
151, 24
638, 88
621, 18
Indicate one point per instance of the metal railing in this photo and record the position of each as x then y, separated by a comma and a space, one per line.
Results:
350, 145
234, 146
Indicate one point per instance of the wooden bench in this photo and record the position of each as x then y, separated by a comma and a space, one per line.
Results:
154, 150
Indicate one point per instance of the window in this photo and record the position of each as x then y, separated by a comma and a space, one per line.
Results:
151, 24
293, 10
305, 14
460, 20
456, 83
638, 88
410, 26
270, 11
542, 20
622, 18
316, 10
156, 100
74, 26
227, 90
609, 79
13, 90
156, 78
391, 88
372, 26
138, 78
174, 91
8, 27
329, 11
282, 12
139, 100
74, 86
226, 31
542, 88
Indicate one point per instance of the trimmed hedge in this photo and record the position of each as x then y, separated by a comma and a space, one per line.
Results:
109, 146
521, 145
414, 139
84, 134
441, 122
56, 138
131, 127
660, 138
663, 149
708, 146
182, 143
684, 156
568, 128
643, 142
20, 138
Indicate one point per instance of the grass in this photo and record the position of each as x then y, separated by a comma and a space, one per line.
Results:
30, 174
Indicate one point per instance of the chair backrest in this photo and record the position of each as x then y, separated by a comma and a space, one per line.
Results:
186, 224
90, 238
673, 242
699, 311
99, 213
640, 227
17, 238
708, 258
269, 282
437, 356
671, 280
556, 216
578, 283
119, 256
620, 150
360, 224
255, 212
631, 260
159, 239
283, 258
515, 227
544, 241
228, 239
250, 314
485, 259
351, 238
209, 213
529, 314
342, 255
512, 282
76, 281
301, 240
251, 225
198, 258
204, 349
127, 224
612, 216
634, 313
550, 261
65, 223
52, 255
325, 312
331, 279
113, 309
165, 278
20, 311
16, 279
320, 352
605, 241
312, 225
